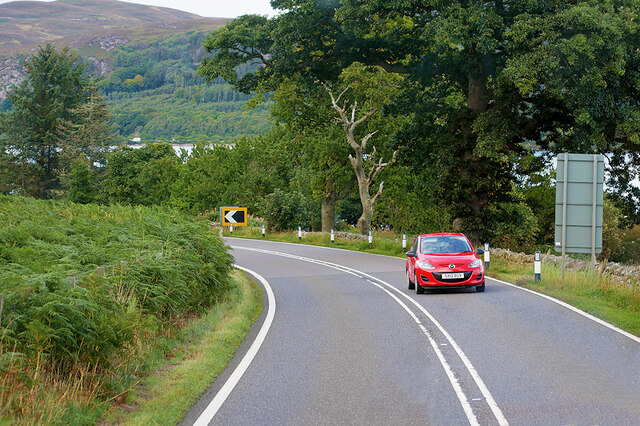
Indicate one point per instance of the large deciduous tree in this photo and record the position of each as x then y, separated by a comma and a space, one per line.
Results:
488, 82
46, 103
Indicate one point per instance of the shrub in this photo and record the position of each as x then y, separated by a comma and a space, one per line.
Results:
287, 210
175, 267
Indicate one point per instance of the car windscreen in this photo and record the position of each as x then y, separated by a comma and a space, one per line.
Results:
444, 245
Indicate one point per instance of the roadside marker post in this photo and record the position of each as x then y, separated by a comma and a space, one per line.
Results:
231, 228
404, 241
332, 237
299, 233
487, 256
537, 266
370, 237
263, 230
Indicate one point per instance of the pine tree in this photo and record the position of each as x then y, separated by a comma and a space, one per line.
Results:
43, 105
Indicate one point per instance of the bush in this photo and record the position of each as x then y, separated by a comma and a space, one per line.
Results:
512, 225
287, 210
175, 267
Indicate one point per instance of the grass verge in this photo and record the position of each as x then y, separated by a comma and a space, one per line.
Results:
183, 374
599, 295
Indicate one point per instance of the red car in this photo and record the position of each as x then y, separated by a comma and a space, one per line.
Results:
444, 260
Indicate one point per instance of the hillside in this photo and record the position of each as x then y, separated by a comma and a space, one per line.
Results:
147, 57
24, 25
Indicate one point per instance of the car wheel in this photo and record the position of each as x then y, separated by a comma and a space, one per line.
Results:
419, 288
480, 288
411, 283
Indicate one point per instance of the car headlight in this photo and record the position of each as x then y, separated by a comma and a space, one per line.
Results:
424, 265
475, 264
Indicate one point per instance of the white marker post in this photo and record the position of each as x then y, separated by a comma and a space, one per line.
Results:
404, 241
487, 256
299, 233
537, 266
263, 230
231, 228
332, 237
370, 237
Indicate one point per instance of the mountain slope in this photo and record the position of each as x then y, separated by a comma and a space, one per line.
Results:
25, 24
147, 58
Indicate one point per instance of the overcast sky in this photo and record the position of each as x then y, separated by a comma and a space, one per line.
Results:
211, 8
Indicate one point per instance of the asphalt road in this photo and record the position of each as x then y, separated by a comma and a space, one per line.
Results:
350, 344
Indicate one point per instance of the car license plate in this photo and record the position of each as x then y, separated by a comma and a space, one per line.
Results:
453, 275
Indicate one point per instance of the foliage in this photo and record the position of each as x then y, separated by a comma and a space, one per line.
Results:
612, 234
173, 267
631, 245
486, 83
512, 225
83, 185
287, 210
155, 93
46, 102
141, 176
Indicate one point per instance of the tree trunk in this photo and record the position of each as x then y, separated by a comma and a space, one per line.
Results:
364, 223
328, 208
480, 67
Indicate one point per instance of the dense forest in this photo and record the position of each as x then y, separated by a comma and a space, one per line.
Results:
155, 93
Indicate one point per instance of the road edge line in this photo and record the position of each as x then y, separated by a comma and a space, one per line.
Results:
209, 413
572, 308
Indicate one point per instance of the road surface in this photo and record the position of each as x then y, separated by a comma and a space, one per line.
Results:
348, 343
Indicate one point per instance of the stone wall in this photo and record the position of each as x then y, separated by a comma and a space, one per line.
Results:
625, 274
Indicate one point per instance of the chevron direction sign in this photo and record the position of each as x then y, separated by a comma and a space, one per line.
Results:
236, 216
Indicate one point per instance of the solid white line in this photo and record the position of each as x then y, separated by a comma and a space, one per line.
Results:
574, 309
207, 415
454, 382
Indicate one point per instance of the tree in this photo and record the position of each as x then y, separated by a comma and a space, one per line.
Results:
576, 74
375, 88
487, 83
308, 118
55, 86
141, 176
91, 135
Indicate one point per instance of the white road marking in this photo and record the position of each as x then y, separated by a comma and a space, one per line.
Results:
207, 415
470, 368
559, 302
574, 309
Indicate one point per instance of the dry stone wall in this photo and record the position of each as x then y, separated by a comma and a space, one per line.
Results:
626, 274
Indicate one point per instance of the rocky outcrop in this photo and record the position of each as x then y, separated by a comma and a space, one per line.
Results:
101, 67
10, 75
108, 43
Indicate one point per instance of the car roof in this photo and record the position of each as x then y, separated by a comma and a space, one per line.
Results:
443, 234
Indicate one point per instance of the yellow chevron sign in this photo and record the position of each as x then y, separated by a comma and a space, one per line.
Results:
236, 216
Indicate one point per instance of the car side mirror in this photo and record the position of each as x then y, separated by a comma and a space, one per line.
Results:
411, 253
479, 252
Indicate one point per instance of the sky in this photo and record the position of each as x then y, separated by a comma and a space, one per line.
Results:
210, 8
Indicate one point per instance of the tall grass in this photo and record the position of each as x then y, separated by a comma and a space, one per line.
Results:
62, 346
